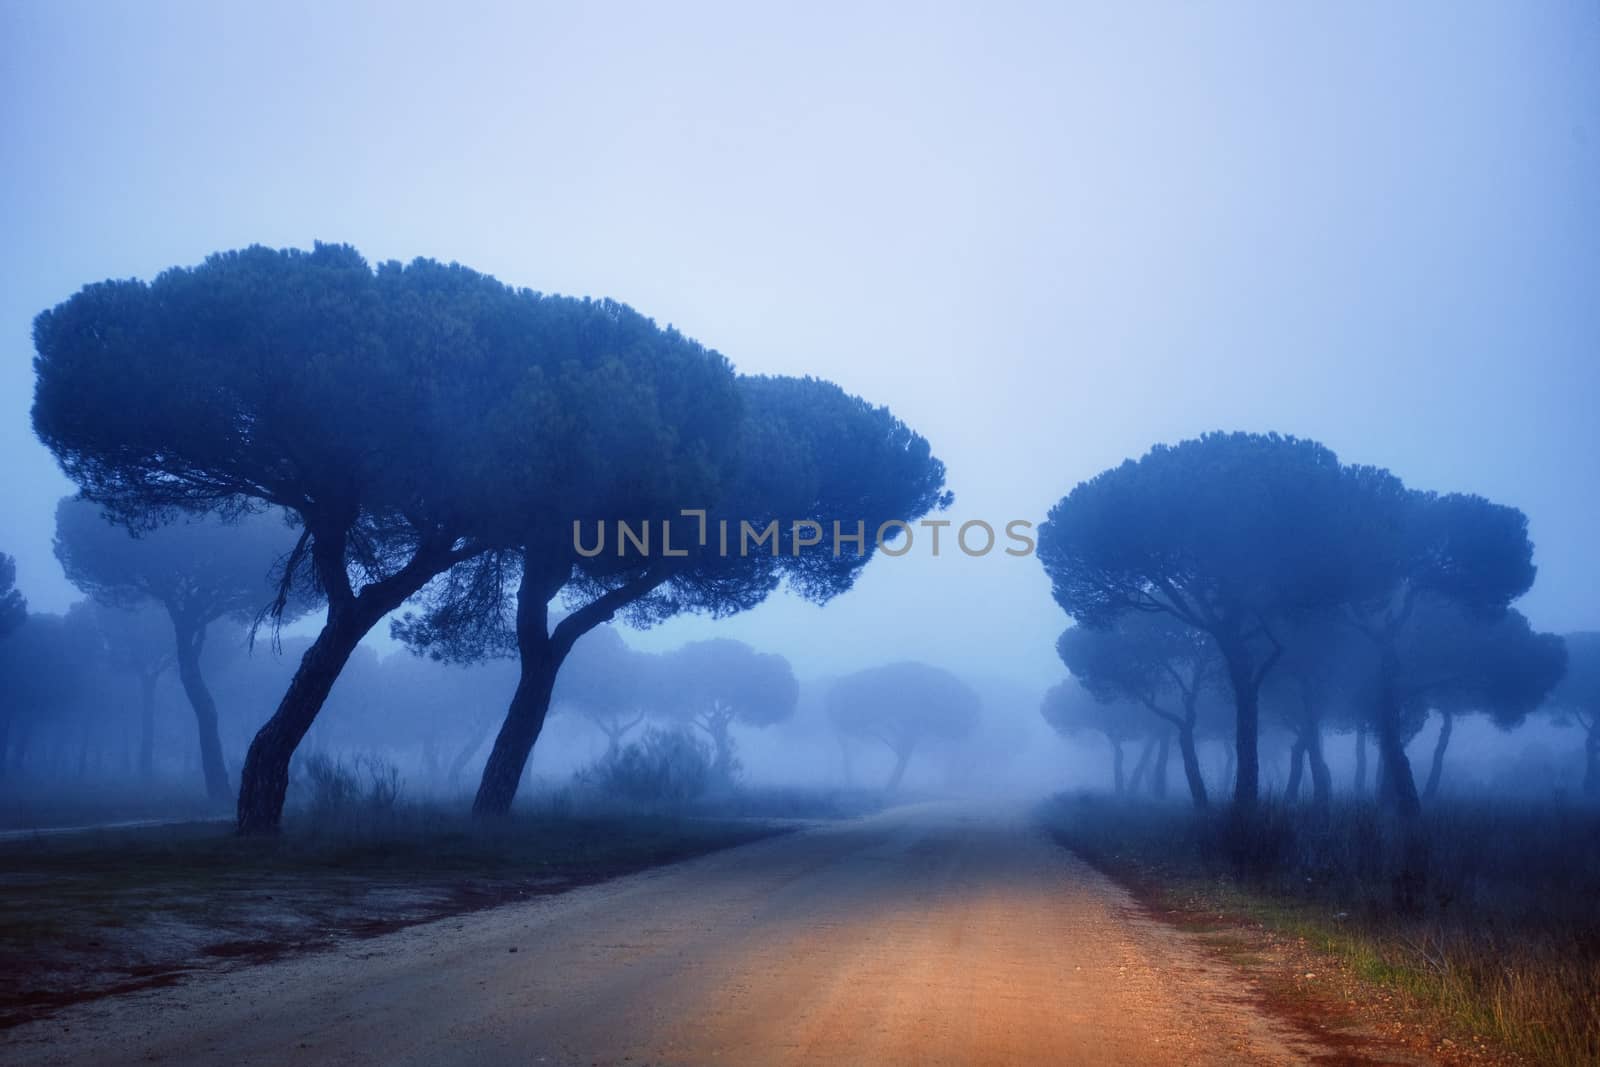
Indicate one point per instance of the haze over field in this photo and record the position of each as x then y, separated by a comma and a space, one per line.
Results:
894, 534
1047, 237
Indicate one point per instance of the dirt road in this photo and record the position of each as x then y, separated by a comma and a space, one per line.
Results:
920, 936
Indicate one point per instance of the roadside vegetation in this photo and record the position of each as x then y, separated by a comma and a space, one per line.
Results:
1504, 947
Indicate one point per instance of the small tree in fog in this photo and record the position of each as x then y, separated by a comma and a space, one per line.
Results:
1152, 664
714, 684
51, 671
1325, 669
1457, 663
608, 683
1578, 696
1430, 555
199, 571
904, 706
1072, 710
13, 606
135, 642
1228, 534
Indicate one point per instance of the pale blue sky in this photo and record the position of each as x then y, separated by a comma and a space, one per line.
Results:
1047, 236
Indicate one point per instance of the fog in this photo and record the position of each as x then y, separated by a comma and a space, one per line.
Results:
1092, 509
1047, 237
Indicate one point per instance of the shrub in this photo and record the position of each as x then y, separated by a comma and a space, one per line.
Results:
330, 787
662, 768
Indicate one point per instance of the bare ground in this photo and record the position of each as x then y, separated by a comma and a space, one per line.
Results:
920, 936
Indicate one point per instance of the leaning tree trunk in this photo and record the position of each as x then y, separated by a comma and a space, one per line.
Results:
1321, 777
1191, 766
1297, 756
467, 751
1158, 773
530, 704
1431, 790
191, 639
1229, 765
541, 659
1399, 788
1116, 765
1143, 764
542, 653
264, 779
902, 760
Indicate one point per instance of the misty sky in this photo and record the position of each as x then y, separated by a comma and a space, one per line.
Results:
1046, 237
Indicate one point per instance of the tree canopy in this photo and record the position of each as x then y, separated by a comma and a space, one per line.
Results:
809, 455
1578, 696
13, 605
51, 672
1228, 533
608, 683
1151, 663
1432, 556
904, 706
1070, 708
394, 413
199, 569
717, 683
1250, 538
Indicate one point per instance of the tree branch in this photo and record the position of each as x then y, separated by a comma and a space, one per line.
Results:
605, 607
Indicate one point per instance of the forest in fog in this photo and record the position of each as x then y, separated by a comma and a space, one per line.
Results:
282, 454
1038, 533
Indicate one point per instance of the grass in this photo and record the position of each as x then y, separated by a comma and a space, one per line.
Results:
97, 912
1487, 914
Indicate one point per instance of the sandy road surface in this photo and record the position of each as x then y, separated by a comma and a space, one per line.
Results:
920, 936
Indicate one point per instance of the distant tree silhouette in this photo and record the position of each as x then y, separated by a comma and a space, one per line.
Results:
199, 571
1578, 696
1156, 663
904, 706
715, 684
13, 605
1326, 666
1430, 553
50, 669
1456, 663
1072, 709
610, 684
1227, 533
136, 641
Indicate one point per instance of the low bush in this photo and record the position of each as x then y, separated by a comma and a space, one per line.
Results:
664, 768
329, 788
